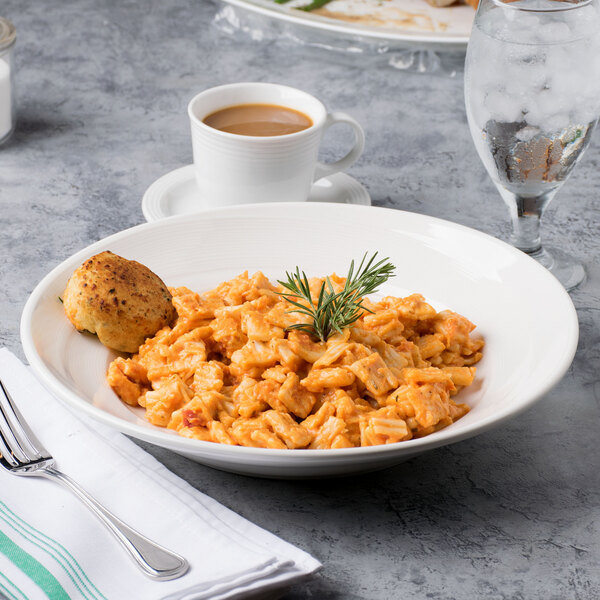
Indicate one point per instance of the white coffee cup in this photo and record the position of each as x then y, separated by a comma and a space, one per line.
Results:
241, 169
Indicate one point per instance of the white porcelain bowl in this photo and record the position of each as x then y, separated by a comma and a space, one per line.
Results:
526, 317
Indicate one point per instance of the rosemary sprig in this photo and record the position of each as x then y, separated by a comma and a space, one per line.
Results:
335, 311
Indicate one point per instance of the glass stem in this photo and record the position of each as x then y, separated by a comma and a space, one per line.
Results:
526, 213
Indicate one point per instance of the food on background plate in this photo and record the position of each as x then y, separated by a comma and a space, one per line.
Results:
307, 363
121, 301
313, 5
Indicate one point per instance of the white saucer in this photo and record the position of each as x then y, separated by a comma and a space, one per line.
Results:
176, 194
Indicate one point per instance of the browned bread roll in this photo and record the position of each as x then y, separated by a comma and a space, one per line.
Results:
121, 301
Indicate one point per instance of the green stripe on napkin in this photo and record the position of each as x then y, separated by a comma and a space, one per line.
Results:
55, 549
32, 568
12, 590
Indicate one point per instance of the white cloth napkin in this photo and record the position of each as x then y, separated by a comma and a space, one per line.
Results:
51, 544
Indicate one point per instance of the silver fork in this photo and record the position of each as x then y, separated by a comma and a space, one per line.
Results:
23, 454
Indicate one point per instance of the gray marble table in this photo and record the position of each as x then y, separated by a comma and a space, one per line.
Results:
102, 91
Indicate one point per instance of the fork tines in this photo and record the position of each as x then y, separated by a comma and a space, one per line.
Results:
18, 444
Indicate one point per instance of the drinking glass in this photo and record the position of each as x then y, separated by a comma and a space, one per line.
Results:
532, 91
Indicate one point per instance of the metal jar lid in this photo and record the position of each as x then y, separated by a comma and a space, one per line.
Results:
7, 34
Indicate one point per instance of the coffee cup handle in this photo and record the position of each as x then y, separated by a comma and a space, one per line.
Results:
324, 169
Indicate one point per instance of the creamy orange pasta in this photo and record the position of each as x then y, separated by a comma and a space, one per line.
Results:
228, 371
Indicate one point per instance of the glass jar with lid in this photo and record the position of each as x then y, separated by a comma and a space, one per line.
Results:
7, 96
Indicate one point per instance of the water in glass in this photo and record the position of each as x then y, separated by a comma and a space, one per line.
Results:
532, 91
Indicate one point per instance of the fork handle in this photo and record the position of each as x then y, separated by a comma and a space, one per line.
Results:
155, 561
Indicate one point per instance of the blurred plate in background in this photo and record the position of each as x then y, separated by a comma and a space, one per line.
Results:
407, 23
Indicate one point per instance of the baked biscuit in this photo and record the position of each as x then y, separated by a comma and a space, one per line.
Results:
121, 301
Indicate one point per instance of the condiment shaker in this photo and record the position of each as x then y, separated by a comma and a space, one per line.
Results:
7, 96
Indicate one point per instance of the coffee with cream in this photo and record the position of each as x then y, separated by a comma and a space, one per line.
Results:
261, 120
259, 142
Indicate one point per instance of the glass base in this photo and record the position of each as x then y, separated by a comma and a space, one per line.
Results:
4, 138
563, 266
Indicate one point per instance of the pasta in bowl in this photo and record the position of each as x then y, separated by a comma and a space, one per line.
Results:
233, 370
526, 318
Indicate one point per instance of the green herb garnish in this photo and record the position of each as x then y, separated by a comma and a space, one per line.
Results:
335, 311
314, 5
307, 7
